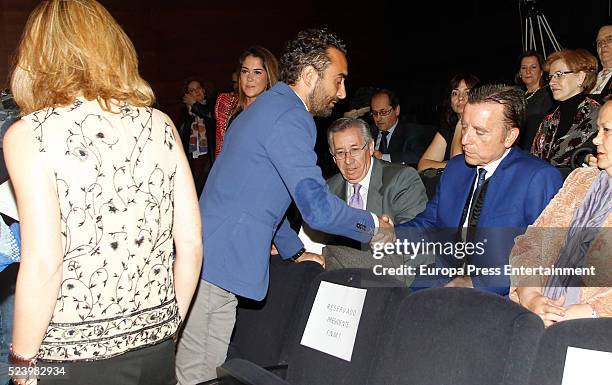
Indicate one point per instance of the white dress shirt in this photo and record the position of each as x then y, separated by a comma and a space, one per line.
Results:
490, 168
602, 79
386, 157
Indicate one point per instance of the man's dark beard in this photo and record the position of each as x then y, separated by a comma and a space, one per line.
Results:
318, 103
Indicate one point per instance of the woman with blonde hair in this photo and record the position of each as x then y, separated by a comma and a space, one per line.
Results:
257, 72
110, 228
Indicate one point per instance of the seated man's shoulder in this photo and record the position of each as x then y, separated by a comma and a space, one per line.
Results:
398, 170
334, 179
528, 163
455, 164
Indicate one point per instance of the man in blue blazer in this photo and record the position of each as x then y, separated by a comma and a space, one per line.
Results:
492, 191
268, 159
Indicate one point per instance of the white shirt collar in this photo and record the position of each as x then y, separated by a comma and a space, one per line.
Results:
391, 129
602, 79
492, 166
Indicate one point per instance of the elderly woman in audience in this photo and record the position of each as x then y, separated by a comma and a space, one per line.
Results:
572, 124
574, 231
110, 229
258, 72
447, 141
537, 94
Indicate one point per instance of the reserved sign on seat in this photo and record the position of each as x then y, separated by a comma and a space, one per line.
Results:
334, 320
585, 366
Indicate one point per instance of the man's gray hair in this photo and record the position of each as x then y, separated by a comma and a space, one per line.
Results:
346, 123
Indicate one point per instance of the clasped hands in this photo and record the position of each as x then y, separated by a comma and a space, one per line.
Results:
551, 311
385, 233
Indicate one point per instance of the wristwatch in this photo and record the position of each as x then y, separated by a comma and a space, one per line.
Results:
295, 256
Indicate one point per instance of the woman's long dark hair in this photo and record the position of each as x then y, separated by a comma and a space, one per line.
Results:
449, 118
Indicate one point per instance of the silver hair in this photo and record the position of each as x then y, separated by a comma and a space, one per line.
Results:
346, 123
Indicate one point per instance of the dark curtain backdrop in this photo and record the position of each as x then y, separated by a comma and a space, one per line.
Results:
414, 51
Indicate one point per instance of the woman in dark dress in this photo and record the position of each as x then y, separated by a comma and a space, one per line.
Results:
447, 141
537, 94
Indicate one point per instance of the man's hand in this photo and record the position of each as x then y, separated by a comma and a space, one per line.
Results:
312, 257
378, 155
273, 250
385, 232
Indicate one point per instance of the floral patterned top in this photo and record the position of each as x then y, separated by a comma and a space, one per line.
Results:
225, 105
584, 128
114, 174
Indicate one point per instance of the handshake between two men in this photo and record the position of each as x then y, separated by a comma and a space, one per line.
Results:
385, 233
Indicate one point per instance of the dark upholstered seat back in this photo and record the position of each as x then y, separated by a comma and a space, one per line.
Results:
456, 336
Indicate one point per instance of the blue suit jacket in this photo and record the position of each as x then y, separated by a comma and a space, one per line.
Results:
267, 160
518, 191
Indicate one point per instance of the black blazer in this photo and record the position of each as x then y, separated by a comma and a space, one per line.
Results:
408, 142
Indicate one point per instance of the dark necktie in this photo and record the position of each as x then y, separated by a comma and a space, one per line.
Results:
383, 147
474, 210
481, 179
474, 202
471, 202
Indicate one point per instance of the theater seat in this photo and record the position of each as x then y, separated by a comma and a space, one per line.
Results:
242, 372
457, 336
262, 327
594, 334
307, 366
430, 178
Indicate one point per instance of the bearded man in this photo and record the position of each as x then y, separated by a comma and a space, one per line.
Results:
267, 161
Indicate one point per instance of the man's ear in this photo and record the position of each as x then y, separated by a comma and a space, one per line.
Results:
511, 137
309, 76
371, 147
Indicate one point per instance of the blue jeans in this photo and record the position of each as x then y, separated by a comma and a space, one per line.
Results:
7, 301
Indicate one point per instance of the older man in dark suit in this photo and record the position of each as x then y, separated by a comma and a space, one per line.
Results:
365, 182
604, 51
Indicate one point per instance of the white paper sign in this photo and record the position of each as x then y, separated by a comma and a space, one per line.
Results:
585, 366
8, 206
334, 320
